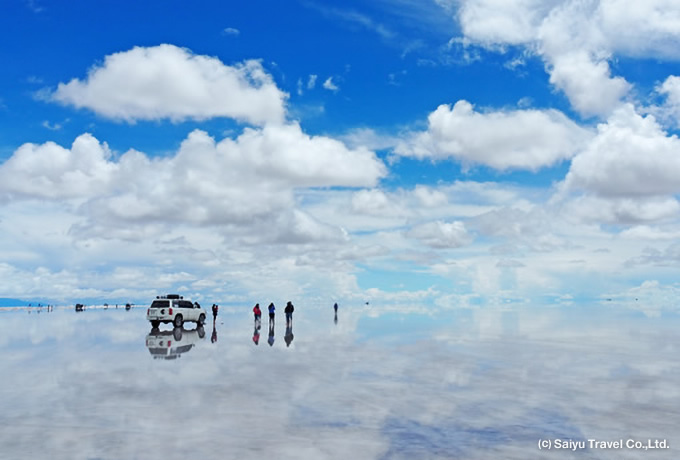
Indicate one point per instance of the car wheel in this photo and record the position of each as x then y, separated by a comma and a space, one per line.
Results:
201, 320
177, 333
178, 321
155, 324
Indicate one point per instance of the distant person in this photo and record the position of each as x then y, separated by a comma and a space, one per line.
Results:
215, 309
289, 313
257, 312
272, 310
256, 336
335, 307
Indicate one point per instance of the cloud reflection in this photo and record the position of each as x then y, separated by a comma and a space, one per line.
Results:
484, 383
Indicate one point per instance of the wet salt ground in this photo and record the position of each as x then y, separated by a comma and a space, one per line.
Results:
412, 384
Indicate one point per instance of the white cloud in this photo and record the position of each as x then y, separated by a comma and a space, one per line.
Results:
329, 85
311, 82
214, 210
169, 82
588, 83
441, 235
52, 127
671, 108
206, 182
631, 156
520, 139
50, 171
231, 31
620, 210
576, 39
374, 202
430, 197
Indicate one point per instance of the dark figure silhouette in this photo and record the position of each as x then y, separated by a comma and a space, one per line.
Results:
272, 311
289, 334
257, 312
215, 309
270, 340
289, 314
213, 337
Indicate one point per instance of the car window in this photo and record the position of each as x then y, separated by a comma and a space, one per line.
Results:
159, 304
185, 304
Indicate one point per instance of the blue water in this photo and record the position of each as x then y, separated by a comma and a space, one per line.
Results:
381, 383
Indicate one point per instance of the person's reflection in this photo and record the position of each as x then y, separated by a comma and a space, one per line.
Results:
256, 332
270, 341
213, 337
289, 334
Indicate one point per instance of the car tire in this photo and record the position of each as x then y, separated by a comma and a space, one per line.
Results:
177, 333
155, 324
201, 320
179, 321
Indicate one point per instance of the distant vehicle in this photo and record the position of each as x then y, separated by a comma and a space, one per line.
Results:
175, 309
171, 344
80, 307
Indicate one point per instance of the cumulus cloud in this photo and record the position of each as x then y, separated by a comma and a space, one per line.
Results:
167, 82
206, 182
631, 156
520, 139
577, 39
588, 83
49, 171
670, 88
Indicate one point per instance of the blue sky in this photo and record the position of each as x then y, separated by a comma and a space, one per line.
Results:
446, 152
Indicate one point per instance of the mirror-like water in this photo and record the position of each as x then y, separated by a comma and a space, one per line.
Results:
375, 384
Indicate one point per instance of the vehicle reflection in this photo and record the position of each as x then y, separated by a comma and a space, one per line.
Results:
171, 344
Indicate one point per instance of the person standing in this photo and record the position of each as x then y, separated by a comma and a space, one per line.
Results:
257, 312
272, 310
215, 308
289, 313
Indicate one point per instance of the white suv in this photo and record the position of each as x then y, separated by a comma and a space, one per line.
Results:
174, 309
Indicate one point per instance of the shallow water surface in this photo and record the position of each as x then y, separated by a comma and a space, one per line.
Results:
377, 383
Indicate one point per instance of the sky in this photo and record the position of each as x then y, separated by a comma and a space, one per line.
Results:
444, 152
